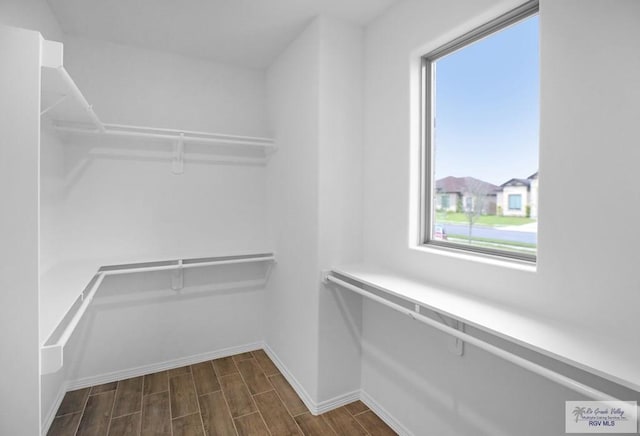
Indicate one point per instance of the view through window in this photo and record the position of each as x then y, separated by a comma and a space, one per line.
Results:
482, 101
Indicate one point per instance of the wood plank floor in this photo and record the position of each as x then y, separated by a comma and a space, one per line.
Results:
241, 395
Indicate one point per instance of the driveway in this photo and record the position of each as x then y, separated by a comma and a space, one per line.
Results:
531, 227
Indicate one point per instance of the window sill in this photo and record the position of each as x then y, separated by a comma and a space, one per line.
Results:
477, 257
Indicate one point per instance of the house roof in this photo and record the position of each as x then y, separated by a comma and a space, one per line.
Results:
462, 185
517, 182
533, 176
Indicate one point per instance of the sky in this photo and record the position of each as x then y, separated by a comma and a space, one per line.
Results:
487, 107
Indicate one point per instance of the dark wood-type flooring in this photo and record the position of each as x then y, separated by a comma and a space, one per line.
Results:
240, 395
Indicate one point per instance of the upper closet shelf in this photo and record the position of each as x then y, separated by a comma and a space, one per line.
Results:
63, 102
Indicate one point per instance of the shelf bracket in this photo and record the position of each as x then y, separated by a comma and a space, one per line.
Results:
323, 276
177, 277
456, 345
60, 100
177, 165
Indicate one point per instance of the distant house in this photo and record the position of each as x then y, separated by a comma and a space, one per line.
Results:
519, 197
461, 194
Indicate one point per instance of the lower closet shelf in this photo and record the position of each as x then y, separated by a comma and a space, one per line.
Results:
614, 359
63, 308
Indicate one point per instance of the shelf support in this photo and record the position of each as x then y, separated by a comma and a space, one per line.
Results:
57, 102
177, 277
177, 165
456, 345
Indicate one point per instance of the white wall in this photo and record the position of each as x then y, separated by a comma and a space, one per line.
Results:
53, 226
120, 198
19, 178
129, 85
31, 14
587, 134
340, 202
54, 229
137, 321
315, 202
292, 326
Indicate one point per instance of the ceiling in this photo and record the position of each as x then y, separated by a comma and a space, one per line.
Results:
241, 32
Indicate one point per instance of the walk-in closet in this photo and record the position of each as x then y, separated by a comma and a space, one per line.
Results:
233, 218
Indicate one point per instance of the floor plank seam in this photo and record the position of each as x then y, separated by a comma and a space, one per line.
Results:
288, 411
248, 390
328, 423
360, 413
170, 406
141, 405
195, 390
84, 407
264, 421
224, 398
67, 414
113, 405
126, 414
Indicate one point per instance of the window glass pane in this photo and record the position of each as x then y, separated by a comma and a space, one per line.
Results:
515, 202
484, 150
444, 201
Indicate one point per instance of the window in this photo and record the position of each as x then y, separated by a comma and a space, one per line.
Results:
468, 203
444, 201
480, 100
515, 202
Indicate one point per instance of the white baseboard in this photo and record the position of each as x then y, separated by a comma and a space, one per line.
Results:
51, 413
314, 408
295, 384
339, 401
383, 414
162, 366
335, 402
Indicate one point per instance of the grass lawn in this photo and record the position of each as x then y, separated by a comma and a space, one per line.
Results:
486, 220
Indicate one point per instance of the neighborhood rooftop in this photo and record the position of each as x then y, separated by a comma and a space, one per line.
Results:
464, 184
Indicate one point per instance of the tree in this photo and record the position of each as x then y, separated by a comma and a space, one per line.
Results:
476, 197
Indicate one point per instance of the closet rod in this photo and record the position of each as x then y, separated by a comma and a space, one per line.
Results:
496, 351
141, 132
187, 265
192, 133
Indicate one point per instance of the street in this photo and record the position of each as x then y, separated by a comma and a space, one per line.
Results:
492, 233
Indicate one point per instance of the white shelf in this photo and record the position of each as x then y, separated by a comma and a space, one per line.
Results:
70, 113
67, 289
609, 357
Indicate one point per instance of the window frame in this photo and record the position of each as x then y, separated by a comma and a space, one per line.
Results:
427, 182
